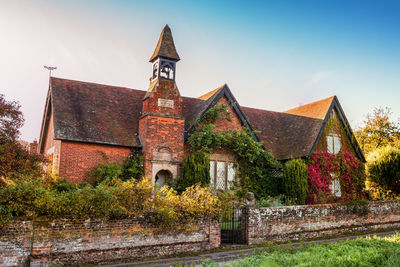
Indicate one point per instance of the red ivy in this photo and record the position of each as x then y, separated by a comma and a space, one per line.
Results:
347, 169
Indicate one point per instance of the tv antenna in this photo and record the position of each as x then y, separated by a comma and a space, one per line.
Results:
49, 68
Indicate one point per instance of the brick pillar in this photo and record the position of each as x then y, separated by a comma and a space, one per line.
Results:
215, 234
161, 128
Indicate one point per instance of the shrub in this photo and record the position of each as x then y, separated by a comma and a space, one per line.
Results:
383, 168
271, 201
195, 170
124, 199
132, 167
295, 181
105, 172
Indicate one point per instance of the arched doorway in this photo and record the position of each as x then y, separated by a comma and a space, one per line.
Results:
161, 178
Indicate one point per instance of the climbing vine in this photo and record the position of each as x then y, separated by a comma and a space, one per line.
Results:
255, 166
344, 167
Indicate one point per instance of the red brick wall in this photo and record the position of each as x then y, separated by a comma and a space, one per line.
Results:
77, 158
165, 89
223, 124
40, 243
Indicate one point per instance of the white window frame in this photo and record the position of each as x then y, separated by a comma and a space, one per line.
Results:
333, 144
228, 168
334, 186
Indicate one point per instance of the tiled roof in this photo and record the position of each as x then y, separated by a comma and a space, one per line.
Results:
317, 109
96, 113
284, 135
165, 46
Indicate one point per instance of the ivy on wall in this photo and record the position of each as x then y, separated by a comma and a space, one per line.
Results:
255, 166
344, 166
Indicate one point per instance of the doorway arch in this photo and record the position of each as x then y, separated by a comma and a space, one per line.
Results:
161, 178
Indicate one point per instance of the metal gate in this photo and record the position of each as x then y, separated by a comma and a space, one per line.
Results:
233, 226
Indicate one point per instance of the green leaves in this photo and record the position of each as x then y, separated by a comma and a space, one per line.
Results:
295, 181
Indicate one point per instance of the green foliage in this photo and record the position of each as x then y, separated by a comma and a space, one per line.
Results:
15, 160
271, 201
123, 199
383, 168
295, 181
215, 113
369, 251
195, 170
132, 167
107, 173
257, 168
378, 131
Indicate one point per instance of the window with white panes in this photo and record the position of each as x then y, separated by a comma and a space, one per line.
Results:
222, 174
333, 143
334, 186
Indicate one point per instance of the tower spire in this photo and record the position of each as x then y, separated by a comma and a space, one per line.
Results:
165, 46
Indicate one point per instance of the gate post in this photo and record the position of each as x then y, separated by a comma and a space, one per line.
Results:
245, 223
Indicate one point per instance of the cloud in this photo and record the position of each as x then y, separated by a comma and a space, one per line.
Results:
317, 77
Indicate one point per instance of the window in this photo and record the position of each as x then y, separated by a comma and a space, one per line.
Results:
334, 186
222, 174
333, 144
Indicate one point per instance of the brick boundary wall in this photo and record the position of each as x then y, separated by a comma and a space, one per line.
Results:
317, 221
40, 243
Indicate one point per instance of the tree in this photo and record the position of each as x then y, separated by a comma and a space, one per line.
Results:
295, 181
383, 168
15, 161
195, 170
11, 119
378, 131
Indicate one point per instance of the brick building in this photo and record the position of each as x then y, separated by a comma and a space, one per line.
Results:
83, 122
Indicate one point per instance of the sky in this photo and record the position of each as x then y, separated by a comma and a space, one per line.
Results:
273, 55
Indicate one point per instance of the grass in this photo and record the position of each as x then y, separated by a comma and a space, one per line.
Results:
369, 251
228, 225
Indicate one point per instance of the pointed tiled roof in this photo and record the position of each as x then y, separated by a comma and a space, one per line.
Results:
316, 110
165, 46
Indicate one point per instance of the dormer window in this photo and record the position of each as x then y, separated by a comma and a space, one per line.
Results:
333, 144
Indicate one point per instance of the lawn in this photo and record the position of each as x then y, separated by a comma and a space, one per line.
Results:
370, 251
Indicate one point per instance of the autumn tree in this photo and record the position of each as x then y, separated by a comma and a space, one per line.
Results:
378, 130
15, 161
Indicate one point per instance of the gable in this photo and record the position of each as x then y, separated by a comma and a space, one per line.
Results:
210, 100
336, 121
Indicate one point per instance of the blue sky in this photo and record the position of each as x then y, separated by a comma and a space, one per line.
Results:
273, 54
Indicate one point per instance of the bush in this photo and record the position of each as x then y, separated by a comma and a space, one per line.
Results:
106, 173
124, 199
295, 181
383, 168
271, 201
195, 170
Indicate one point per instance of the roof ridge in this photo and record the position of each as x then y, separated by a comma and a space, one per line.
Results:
317, 109
95, 83
207, 96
